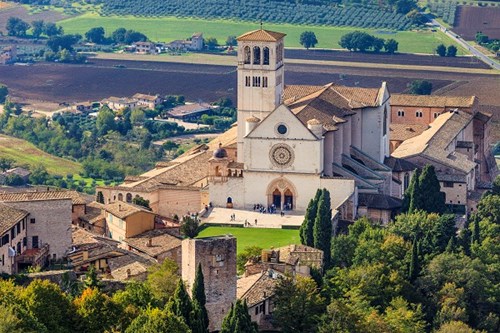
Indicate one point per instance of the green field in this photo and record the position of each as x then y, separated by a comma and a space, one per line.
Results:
264, 238
23, 152
171, 28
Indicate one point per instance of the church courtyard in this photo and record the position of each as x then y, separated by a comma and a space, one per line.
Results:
247, 218
264, 238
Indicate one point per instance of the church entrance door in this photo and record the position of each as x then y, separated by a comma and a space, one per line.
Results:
288, 202
277, 198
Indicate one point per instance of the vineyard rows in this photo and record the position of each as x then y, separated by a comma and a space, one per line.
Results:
271, 11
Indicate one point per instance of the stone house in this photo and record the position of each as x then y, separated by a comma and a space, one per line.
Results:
145, 47
8, 55
125, 220
23, 173
158, 244
148, 101
195, 43
13, 239
119, 103
378, 208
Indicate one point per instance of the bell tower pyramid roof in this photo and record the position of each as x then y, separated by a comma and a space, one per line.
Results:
261, 35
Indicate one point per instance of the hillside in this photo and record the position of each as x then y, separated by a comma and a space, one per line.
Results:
24, 152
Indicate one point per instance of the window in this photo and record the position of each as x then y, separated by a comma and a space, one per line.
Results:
25, 241
448, 184
401, 113
266, 56
264, 82
256, 81
24, 224
436, 114
129, 197
385, 122
5, 239
18, 227
3, 260
406, 181
256, 310
247, 81
12, 233
419, 114
282, 129
32, 220
256, 55
247, 55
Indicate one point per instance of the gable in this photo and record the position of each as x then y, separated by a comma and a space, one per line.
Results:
268, 128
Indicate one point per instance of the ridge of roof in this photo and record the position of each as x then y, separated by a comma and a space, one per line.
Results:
261, 35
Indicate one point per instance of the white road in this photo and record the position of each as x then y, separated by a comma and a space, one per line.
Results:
490, 62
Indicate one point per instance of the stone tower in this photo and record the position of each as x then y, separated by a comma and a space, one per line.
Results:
260, 77
217, 256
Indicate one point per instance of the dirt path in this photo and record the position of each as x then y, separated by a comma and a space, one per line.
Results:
225, 60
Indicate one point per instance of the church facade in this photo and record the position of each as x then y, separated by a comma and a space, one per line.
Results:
292, 140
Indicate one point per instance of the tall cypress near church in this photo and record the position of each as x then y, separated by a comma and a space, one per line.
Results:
181, 305
307, 227
323, 226
412, 199
431, 198
199, 296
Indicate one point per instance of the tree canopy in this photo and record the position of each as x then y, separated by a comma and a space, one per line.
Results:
308, 39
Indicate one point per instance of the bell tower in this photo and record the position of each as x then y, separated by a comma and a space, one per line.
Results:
260, 77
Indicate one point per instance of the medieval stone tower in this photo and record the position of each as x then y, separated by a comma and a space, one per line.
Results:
217, 256
260, 77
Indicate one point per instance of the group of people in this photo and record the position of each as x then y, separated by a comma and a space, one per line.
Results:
270, 209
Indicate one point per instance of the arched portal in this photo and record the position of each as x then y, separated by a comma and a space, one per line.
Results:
282, 194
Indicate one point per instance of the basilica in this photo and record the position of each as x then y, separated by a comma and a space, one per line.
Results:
290, 140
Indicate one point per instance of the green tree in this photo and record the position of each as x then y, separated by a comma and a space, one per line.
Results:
9, 321
238, 320
91, 279
154, 320
307, 227
140, 201
420, 87
410, 191
105, 121
456, 327
162, 280
39, 175
181, 303
211, 43
137, 117
451, 51
57, 43
6, 163
297, 305
441, 50
249, 253
4, 92
48, 304
391, 46
96, 312
118, 36
95, 35
231, 41
190, 226
198, 295
402, 317
308, 39
476, 235
37, 27
481, 38
432, 198
322, 230
16, 27
136, 294
414, 265
51, 29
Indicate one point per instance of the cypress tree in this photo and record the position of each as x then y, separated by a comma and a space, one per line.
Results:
182, 306
413, 270
323, 226
452, 245
199, 295
238, 320
432, 200
197, 322
475, 231
465, 238
307, 227
408, 200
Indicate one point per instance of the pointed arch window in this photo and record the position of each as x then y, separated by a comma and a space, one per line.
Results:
266, 56
256, 55
385, 121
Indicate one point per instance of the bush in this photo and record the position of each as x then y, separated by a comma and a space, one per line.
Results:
420, 87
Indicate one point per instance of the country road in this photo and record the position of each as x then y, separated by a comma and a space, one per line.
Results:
490, 62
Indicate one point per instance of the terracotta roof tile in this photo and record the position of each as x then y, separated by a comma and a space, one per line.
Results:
402, 132
261, 35
123, 210
9, 217
75, 197
161, 242
432, 101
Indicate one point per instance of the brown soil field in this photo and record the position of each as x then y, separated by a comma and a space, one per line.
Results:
49, 82
382, 58
22, 13
469, 20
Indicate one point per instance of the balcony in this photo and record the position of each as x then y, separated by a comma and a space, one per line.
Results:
34, 257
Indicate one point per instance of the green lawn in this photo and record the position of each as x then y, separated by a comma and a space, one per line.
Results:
264, 238
170, 28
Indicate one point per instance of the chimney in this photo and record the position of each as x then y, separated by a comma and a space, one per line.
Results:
119, 207
149, 242
250, 124
128, 273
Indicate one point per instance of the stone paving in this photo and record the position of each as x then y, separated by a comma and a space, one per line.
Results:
223, 216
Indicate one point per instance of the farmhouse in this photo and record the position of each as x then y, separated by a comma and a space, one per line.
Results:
190, 112
193, 44
119, 103
148, 101
8, 55
145, 47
